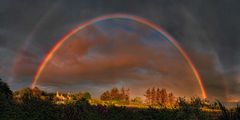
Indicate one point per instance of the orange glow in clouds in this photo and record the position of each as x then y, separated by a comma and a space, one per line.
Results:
123, 16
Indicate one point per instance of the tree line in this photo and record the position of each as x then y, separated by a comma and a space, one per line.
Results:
159, 97
27, 92
114, 94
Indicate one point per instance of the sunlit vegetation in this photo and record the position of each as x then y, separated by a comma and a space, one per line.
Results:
28, 104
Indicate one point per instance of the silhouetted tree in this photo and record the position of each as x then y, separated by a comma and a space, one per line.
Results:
5, 92
7, 105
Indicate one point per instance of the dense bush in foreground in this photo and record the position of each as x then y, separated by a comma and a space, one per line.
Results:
82, 110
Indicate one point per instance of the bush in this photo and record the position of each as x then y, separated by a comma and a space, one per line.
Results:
228, 115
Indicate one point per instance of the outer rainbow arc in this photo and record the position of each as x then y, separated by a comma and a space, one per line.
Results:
131, 17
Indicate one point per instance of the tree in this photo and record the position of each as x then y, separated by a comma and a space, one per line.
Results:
154, 95
148, 95
51, 96
5, 91
36, 92
114, 93
105, 96
123, 95
137, 100
7, 105
55, 99
16, 95
215, 105
74, 97
171, 99
43, 93
159, 97
164, 96
127, 98
86, 95
128, 94
79, 96
196, 101
26, 93
177, 102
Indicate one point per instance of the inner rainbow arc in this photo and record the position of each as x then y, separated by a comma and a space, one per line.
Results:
124, 16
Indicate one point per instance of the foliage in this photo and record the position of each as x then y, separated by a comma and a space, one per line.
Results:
137, 100
128, 94
105, 96
154, 95
86, 95
36, 92
5, 90
148, 95
32, 107
189, 110
55, 99
159, 97
171, 99
228, 115
79, 96
164, 97
6, 101
115, 95
123, 95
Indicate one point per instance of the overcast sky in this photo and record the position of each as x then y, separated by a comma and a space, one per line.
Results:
123, 52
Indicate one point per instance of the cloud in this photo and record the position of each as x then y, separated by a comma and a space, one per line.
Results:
25, 64
238, 80
125, 59
210, 28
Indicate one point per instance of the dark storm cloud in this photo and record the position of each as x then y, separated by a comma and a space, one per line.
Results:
211, 27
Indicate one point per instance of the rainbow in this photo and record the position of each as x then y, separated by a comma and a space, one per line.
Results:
122, 16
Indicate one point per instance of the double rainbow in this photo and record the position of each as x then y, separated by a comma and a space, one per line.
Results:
122, 16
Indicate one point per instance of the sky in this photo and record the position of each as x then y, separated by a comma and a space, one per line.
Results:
123, 52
